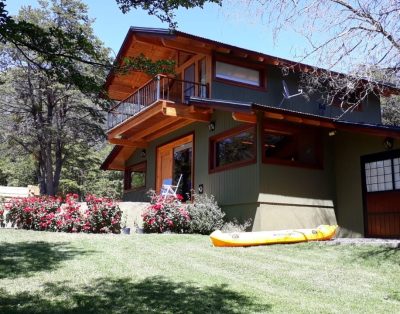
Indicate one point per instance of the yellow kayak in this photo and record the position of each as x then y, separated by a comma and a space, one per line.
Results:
321, 233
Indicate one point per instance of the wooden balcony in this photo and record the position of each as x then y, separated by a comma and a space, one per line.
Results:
159, 89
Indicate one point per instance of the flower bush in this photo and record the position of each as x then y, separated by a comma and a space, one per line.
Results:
56, 214
165, 215
1, 217
33, 213
103, 215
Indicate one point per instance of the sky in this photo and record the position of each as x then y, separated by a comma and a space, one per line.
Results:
212, 22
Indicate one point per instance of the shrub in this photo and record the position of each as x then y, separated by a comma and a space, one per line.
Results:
1, 217
55, 214
205, 214
165, 215
235, 226
32, 213
102, 216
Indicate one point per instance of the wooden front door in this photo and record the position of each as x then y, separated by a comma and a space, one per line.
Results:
164, 165
173, 160
381, 180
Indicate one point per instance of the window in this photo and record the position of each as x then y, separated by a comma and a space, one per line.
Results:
202, 77
135, 177
292, 145
238, 74
382, 175
234, 148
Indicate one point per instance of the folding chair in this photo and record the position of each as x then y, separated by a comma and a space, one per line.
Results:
168, 189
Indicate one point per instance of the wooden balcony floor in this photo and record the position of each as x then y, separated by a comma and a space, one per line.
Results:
157, 120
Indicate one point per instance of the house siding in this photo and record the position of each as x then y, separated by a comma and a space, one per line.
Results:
272, 96
349, 147
296, 197
234, 186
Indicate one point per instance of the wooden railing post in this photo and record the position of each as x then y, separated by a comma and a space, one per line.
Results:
158, 87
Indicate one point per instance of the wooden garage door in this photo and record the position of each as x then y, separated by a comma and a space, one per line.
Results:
381, 176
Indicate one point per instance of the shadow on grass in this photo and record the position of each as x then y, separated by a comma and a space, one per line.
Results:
152, 295
380, 255
26, 258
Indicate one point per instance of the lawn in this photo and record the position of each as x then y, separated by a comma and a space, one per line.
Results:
42, 272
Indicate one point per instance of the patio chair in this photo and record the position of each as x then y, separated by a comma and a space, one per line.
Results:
168, 189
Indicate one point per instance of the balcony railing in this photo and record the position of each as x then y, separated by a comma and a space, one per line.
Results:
159, 88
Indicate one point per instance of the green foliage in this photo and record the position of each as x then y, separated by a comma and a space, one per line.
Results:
205, 214
163, 9
142, 63
64, 52
391, 110
16, 168
82, 175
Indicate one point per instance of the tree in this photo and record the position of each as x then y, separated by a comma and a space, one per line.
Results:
42, 114
82, 174
357, 38
163, 9
66, 50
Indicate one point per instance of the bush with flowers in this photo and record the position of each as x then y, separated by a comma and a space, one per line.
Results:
49, 213
102, 216
1, 217
165, 214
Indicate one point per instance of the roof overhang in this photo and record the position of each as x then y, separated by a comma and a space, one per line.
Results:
164, 44
165, 118
325, 122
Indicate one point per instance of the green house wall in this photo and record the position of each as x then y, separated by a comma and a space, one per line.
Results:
220, 183
272, 96
277, 196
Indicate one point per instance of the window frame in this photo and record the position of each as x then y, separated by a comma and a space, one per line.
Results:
240, 63
212, 159
279, 128
138, 167
391, 154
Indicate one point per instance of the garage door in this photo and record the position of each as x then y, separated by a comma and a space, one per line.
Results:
381, 191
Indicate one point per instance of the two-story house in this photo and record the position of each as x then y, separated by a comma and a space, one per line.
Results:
221, 125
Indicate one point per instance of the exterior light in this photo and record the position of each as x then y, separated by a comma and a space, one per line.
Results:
388, 143
211, 126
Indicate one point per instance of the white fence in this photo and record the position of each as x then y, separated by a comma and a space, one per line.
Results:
7, 192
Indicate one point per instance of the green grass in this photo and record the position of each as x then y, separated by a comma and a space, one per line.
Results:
43, 272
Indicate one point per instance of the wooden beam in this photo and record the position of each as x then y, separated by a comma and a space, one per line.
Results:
223, 50
272, 115
121, 88
139, 135
193, 59
135, 120
181, 111
244, 117
293, 119
184, 47
171, 128
127, 143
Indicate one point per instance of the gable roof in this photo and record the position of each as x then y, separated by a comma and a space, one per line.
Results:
144, 40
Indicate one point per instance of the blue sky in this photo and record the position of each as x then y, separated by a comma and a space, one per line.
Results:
111, 26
